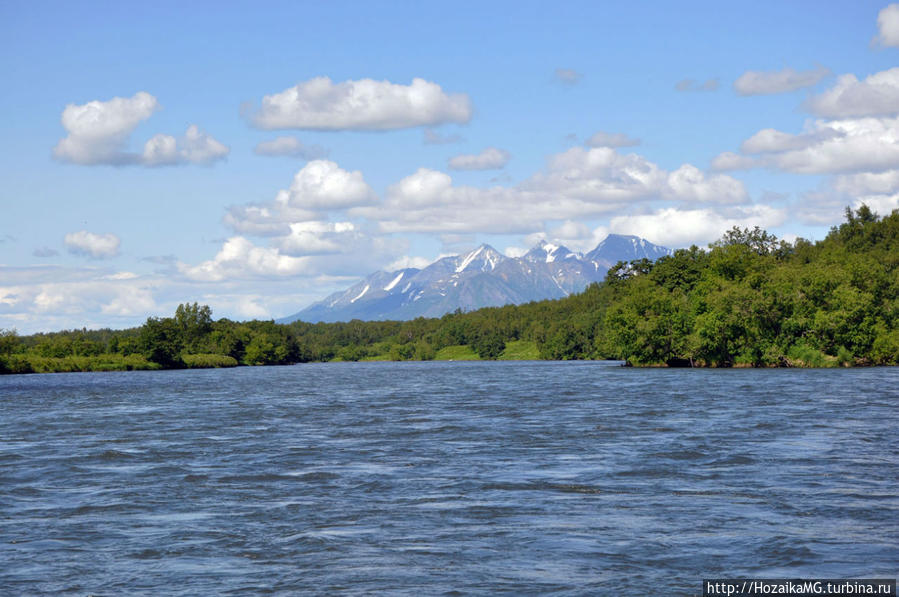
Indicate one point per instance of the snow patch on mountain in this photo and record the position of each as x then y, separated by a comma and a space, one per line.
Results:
395, 281
361, 294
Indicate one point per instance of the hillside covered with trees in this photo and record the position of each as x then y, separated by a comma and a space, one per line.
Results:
747, 300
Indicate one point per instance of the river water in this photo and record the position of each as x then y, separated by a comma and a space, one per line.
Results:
444, 478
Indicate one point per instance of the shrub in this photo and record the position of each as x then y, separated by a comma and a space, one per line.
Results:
208, 361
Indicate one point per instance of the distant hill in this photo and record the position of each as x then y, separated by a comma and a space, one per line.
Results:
480, 278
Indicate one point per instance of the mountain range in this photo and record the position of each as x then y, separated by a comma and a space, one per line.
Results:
480, 278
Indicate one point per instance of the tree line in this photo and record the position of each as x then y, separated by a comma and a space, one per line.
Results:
748, 300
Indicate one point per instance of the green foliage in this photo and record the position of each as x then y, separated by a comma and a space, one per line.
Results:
160, 341
458, 352
194, 323
208, 361
489, 345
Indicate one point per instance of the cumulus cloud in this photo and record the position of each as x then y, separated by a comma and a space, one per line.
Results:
318, 187
599, 174
888, 26
266, 219
675, 227
322, 184
689, 183
783, 81
837, 146
824, 147
319, 238
195, 147
687, 85
567, 76
98, 133
366, 104
876, 95
241, 259
291, 147
428, 201
603, 139
489, 159
576, 184
95, 246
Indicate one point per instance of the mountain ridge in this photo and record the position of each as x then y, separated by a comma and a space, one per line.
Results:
482, 277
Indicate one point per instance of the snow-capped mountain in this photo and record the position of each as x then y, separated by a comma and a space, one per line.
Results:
483, 277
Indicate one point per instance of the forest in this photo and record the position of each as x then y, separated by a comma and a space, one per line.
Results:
748, 300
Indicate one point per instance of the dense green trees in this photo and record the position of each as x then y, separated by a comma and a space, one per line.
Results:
749, 300
752, 300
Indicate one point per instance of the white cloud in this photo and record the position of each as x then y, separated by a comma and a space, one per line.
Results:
673, 227
292, 147
427, 201
98, 133
409, 262
195, 147
577, 184
599, 174
868, 183
241, 259
773, 141
366, 104
95, 246
53, 298
825, 147
317, 238
266, 219
877, 95
129, 301
729, 160
877, 190
319, 186
489, 159
160, 150
200, 148
322, 184
603, 139
783, 81
888, 26
574, 235
688, 85
512, 251
689, 183
567, 76
880, 204
846, 146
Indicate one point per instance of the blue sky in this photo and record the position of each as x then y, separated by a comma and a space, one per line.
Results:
256, 157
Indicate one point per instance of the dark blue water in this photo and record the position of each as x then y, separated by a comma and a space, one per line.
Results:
444, 478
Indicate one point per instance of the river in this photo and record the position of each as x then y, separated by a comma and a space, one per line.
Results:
445, 478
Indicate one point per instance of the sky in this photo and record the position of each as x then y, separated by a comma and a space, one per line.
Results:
256, 157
